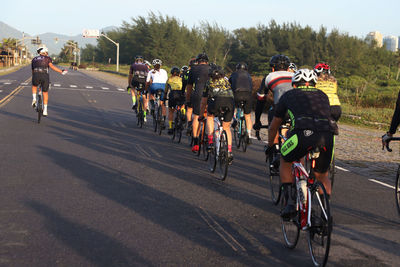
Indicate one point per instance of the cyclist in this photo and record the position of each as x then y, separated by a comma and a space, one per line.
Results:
185, 76
312, 126
137, 79
394, 123
242, 87
292, 67
328, 84
189, 111
217, 94
40, 75
276, 84
198, 76
175, 96
156, 80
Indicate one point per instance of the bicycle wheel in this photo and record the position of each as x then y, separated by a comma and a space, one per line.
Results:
140, 116
201, 137
204, 149
236, 135
39, 107
290, 227
179, 128
275, 185
331, 173
244, 136
223, 156
155, 117
160, 122
212, 157
397, 190
319, 234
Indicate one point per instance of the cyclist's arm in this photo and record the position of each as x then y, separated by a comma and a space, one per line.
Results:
396, 117
55, 68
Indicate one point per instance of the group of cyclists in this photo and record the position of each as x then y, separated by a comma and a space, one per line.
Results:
305, 98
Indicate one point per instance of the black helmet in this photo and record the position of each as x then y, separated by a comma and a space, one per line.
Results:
184, 68
216, 72
139, 58
202, 57
242, 66
279, 62
192, 62
175, 69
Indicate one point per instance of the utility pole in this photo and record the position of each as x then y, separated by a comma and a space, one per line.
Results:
117, 44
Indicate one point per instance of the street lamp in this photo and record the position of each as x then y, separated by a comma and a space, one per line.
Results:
117, 44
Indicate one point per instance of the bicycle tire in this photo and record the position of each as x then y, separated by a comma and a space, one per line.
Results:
160, 120
319, 233
223, 156
174, 130
39, 107
140, 115
236, 135
331, 173
397, 190
290, 228
212, 158
205, 148
274, 179
180, 128
200, 135
244, 136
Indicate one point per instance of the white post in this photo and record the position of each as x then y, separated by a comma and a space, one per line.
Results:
117, 44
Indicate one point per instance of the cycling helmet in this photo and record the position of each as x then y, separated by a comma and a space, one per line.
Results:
293, 67
216, 72
137, 58
184, 68
192, 62
42, 49
202, 57
305, 76
147, 63
157, 62
322, 68
279, 62
242, 66
175, 69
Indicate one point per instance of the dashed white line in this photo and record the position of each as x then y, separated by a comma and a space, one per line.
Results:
7, 83
89, 87
105, 88
342, 169
120, 89
1, 91
24, 83
73, 86
382, 183
57, 84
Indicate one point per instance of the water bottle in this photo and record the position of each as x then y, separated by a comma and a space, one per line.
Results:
302, 189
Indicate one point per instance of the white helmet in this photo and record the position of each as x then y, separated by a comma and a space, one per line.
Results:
42, 49
157, 62
305, 76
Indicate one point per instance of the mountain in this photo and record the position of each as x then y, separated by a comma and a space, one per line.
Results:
49, 39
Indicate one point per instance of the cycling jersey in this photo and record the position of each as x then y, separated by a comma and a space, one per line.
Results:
330, 89
139, 72
41, 63
308, 109
185, 78
279, 82
174, 83
241, 81
157, 76
217, 88
198, 77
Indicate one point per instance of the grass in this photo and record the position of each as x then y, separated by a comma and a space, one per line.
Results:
377, 118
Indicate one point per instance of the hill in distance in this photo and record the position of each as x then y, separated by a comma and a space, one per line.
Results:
48, 39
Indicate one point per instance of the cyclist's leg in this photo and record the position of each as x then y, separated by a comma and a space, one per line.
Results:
196, 101
322, 163
45, 88
210, 122
247, 113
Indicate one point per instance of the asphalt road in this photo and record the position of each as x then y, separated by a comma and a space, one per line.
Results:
87, 187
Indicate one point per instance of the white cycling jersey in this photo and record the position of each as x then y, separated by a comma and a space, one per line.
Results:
157, 76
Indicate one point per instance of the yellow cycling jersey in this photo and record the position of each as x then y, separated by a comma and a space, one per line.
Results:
330, 89
175, 83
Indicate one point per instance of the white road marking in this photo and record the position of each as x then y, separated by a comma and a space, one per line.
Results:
88, 90
57, 84
105, 88
7, 83
1, 91
155, 152
120, 89
73, 86
342, 169
24, 83
89, 87
382, 183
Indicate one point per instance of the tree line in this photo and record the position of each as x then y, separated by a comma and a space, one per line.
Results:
358, 65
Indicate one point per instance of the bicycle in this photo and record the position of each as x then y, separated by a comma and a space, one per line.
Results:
203, 138
219, 153
313, 213
240, 133
39, 102
140, 106
397, 184
157, 115
178, 123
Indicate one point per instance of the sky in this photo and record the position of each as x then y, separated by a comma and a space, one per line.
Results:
70, 17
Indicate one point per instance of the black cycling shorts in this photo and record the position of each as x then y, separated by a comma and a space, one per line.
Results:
195, 102
299, 142
220, 102
246, 98
138, 86
42, 79
175, 98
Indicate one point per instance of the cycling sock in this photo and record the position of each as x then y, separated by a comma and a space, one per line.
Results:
170, 124
210, 138
133, 100
34, 96
229, 148
195, 141
144, 113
